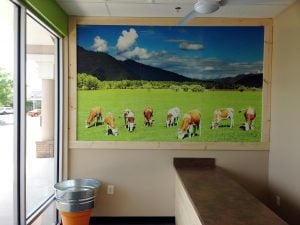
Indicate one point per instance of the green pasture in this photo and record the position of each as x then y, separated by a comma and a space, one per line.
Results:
116, 100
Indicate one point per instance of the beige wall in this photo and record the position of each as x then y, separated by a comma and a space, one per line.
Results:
144, 179
284, 171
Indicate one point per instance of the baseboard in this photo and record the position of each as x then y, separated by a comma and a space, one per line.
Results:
132, 220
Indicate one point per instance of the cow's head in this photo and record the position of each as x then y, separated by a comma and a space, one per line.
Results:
168, 123
149, 122
180, 134
125, 113
87, 124
248, 126
214, 125
113, 131
110, 130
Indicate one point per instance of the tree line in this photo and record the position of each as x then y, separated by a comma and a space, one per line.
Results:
6, 89
90, 82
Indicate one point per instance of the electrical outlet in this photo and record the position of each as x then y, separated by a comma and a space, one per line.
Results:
278, 200
110, 189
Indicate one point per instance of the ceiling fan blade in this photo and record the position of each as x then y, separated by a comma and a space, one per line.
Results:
183, 21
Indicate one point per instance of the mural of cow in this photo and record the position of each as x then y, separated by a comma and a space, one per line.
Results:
191, 123
222, 114
94, 115
125, 113
249, 115
148, 116
129, 120
111, 127
172, 117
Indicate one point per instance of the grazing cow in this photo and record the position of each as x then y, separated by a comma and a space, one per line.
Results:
94, 116
125, 113
191, 122
129, 119
249, 115
148, 114
172, 117
222, 114
111, 127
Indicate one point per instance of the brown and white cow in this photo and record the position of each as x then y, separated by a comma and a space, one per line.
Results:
129, 119
249, 115
172, 117
111, 127
148, 116
222, 114
191, 123
125, 113
94, 115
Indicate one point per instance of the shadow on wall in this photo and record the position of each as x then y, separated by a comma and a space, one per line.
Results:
256, 188
285, 208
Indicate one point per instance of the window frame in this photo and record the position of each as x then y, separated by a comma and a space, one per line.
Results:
19, 154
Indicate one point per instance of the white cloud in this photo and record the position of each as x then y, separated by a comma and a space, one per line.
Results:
126, 40
208, 68
190, 46
100, 45
202, 68
137, 53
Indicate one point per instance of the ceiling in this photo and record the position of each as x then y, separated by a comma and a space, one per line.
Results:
166, 8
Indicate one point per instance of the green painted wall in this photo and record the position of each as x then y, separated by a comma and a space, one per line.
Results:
50, 13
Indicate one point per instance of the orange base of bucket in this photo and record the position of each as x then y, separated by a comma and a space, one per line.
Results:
76, 218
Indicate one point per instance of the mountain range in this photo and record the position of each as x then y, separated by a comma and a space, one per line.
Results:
105, 67
248, 80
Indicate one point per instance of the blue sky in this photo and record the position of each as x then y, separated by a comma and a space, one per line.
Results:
196, 52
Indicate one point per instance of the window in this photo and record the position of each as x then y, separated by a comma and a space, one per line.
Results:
7, 21
30, 117
40, 107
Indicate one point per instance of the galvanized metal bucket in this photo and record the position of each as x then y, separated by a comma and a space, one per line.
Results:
76, 195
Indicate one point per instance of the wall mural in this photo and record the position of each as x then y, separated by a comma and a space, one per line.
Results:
169, 83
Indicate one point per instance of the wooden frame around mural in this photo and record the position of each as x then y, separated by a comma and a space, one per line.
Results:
72, 99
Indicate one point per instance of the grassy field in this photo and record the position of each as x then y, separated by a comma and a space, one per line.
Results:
115, 101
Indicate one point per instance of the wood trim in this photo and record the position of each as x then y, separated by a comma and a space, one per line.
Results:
65, 156
266, 118
267, 81
168, 145
72, 79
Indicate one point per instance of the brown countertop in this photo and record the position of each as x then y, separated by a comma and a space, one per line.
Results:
219, 200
